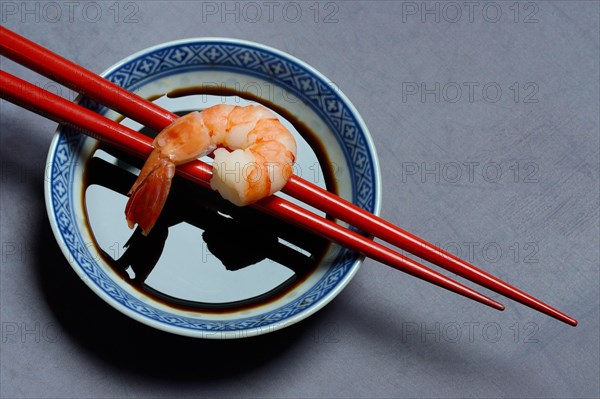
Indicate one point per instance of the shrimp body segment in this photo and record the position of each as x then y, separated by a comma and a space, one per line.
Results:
254, 158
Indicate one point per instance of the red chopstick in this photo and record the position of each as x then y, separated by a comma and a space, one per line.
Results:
60, 110
77, 78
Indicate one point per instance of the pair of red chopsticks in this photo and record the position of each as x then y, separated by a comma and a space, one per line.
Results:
45, 62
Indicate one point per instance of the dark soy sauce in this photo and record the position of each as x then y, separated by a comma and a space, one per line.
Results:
238, 237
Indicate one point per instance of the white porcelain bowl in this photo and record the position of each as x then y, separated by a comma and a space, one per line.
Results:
89, 224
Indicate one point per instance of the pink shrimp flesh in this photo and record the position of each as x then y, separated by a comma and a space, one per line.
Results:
254, 159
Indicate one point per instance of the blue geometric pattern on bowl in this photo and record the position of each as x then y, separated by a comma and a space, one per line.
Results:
244, 59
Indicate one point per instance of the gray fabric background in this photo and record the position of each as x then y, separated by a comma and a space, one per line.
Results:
387, 334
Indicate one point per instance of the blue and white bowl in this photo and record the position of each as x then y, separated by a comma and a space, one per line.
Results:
88, 221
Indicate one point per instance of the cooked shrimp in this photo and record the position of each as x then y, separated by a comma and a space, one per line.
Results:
254, 159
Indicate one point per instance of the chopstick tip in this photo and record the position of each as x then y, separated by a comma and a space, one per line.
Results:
492, 303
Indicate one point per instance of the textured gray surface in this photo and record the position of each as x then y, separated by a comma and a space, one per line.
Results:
387, 334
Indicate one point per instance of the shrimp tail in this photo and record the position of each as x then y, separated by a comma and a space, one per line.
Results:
149, 193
